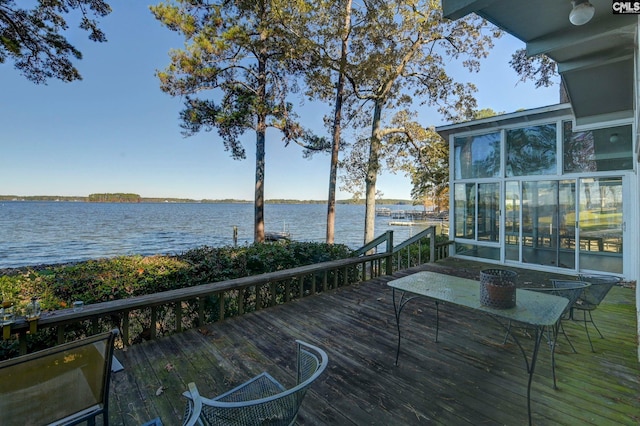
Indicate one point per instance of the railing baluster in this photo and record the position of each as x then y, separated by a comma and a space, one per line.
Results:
221, 305
314, 281
241, 293
60, 333
154, 320
258, 297
178, 311
287, 290
125, 328
201, 301
272, 301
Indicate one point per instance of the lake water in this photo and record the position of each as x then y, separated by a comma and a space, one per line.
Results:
35, 233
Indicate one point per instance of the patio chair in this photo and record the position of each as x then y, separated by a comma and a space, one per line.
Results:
592, 297
259, 401
63, 385
570, 290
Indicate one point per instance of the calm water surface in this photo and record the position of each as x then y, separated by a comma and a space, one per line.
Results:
34, 233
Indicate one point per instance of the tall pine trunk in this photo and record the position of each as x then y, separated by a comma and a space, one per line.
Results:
337, 119
373, 166
261, 130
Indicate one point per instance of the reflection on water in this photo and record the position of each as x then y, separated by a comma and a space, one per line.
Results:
33, 233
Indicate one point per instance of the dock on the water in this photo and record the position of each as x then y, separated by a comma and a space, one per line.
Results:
402, 223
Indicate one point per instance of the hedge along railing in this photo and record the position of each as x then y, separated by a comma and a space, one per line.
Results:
145, 317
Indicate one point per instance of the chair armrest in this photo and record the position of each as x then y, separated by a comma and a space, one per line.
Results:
194, 406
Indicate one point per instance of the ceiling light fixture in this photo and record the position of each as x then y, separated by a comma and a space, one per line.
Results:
582, 12
613, 138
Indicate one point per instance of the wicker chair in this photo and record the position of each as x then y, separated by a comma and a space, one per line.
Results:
592, 297
261, 400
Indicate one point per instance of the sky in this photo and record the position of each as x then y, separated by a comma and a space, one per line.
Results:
116, 131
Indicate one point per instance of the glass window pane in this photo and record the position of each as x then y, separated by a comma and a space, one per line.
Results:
489, 212
512, 221
566, 224
597, 150
464, 201
477, 156
539, 222
548, 223
601, 224
531, 150
473, 250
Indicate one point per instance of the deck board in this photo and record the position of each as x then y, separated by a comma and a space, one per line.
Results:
468, 377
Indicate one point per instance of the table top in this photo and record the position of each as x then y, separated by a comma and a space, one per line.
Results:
532, 307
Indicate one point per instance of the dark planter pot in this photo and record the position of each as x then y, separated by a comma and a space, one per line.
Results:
498, 288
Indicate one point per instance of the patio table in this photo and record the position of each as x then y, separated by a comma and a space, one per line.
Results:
534, 309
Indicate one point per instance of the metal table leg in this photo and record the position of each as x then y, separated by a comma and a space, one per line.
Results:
397, 308
531, 365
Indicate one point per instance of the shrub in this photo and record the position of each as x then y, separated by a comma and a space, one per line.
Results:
121, 277
95, 281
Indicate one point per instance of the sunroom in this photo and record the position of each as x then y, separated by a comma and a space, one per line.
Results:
529, 189
548, 218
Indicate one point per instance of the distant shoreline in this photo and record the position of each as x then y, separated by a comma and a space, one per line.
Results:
81, 199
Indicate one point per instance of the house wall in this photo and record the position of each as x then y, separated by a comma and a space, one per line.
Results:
636, 107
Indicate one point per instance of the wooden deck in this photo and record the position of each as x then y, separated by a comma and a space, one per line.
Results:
469, 377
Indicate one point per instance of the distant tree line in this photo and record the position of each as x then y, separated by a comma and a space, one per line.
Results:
135, 198
114, 198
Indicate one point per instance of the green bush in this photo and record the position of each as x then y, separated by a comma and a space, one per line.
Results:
95, 281
102, 280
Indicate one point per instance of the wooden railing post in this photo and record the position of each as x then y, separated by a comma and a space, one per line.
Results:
432, 244
221, 305
153, 320
390, 252
178, 316
241, 294
125, 328
201, 310
273, 288
258, 297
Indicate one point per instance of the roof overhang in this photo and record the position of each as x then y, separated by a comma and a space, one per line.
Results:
505, 120
596, 60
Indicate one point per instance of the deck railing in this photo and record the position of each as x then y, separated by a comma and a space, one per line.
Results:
146, 317
419, 249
